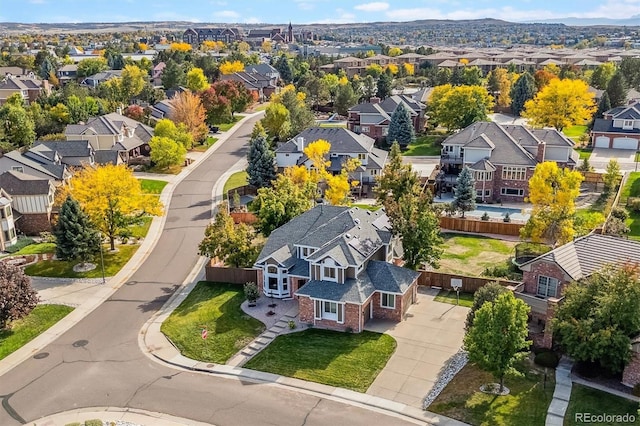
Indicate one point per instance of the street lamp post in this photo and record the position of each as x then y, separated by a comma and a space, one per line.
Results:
102, 259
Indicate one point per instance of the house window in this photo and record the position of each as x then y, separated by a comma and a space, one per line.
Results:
627, 124
18, 169
273, 283
514, 173
487, 193
12, 233
385, 131
362, 156
272, 269
512, 191
483, 176
374, 172
332, 311
388, 300
329, 273
364, 129
547, 286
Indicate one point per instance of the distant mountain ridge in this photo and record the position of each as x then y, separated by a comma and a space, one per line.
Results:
632, 21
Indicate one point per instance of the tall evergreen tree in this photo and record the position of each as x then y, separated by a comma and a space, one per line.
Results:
603, 106
262, 162
284, 68
76, 237
617, 90
523, 90
464, 194
401, 127
384, 85
173, 75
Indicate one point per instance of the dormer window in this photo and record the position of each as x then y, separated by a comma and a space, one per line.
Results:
329, 273
627, 124
306, 252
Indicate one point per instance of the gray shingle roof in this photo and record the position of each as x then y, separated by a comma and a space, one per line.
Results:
106, 156
80, 148
56, 171
552, 137
601, 125
342, 141
483, 165
18, 183
481, 141
377, 158
588, 254
378, 276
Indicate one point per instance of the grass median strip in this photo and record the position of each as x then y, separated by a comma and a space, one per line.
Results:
587, 401
345, 360
216, 307
21, 332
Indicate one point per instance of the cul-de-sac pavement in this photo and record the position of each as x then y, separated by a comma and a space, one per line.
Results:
98, 361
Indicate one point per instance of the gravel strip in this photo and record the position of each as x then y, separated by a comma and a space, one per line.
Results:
449, 371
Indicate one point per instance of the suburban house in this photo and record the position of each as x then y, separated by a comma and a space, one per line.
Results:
619, 128
502, 158
161, 109
71, 153
95, 80
264, 69
195, 36
372, 118
8, 236
67, 73
345, 144
156, 74
32, 200
49, 167
29, 87
546, 277
260, 85
338, 263
114, 132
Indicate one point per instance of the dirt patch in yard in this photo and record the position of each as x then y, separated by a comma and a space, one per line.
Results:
470, 254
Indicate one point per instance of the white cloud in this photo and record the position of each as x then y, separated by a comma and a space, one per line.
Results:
376, 6
227, 14
252, 20
37, 1
340, 17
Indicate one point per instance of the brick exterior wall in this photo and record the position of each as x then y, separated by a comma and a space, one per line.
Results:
384, 313
351, 316
34, 224
631, 373
547, 269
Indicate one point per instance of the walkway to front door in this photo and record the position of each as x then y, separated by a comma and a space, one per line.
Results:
431, 333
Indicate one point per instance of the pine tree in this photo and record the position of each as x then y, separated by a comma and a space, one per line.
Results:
464, 198
283, 67
262, 164
384, 85
617, 90
603, 106
523, 90
76, 237
401, 127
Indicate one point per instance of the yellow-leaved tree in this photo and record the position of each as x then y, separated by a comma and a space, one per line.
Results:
553, 192
318, 152
112, 197
180, 47
230, 67
188, 110
560, 104
339, 185
196, 80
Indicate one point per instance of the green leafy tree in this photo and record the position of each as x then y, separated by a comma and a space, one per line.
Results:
603, 106
17, 124
472, 76
383, 86
630, 70
599, 316
523, 90
262, 162
459, 106
464, 194
300, 114
602, 75
345, 98
486, 293
498, 337
196, 80
166, 152
397, 179
91, 66
284, 68
76, 236
612, 176
17, 297
132, 81
401, 127
173, 75
233, 244
167, 129
277, 121
617, 90
552, 191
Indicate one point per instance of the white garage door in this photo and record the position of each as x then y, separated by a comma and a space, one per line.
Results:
602, 142
625, 143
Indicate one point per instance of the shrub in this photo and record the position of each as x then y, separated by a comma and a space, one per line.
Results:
19, 245
93, 422
507, 218
74, 424
292, 324
636, 390
251, 291
485, 216
547, 359
620, 213
633, 204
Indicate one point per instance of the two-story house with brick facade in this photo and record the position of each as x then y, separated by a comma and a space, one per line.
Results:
502, 158
338, 263
619, 128
372, 118
345, 144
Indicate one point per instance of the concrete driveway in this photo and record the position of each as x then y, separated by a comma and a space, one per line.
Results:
604, 155
427, 338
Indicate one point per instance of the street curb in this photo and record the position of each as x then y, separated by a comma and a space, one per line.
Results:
115, 414
118, 280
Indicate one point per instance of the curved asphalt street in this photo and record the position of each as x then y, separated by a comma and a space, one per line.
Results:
97, 363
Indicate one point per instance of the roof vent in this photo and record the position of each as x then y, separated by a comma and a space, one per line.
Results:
348, 235
357, 221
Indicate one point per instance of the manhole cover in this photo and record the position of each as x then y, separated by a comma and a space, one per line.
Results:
41, 355
80, 343
131, 283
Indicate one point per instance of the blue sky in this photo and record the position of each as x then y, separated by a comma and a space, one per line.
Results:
306, 11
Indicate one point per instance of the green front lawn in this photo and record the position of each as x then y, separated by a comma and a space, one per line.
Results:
334, 358
425, 145
584, 152
236, 180
371, 207
527, 403
471, 254
223, 127
631, 190
152, 186
216, 307
21, 332
574, 131
142, 228
113, 262
208, 142
447, 296
36, 249
595, 402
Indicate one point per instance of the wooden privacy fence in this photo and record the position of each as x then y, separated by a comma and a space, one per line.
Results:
230, 275
469, 284
480, 226
244, 217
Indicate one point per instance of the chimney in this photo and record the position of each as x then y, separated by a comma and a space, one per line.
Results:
374, 100
119, 111
300, 143
541, 152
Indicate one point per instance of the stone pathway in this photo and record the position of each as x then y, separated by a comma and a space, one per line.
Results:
561, 395
281, 326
